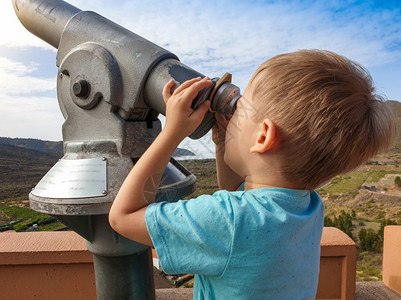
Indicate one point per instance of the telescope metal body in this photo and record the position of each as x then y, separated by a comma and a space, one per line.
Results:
109, 88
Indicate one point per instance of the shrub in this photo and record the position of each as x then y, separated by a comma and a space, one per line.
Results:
342, 222
371, 240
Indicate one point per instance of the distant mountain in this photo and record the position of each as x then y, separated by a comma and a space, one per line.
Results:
21, 169
179, 152
396, 109
34, 144
57, 147
23, 162
16, 153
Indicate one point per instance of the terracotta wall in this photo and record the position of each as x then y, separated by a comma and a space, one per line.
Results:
392, 258
57, 265
45, 265
337, 265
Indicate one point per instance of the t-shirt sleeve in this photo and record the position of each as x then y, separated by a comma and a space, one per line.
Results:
192, 236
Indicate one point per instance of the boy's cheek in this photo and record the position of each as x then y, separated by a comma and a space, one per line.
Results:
226, 159
231, 159
228, 155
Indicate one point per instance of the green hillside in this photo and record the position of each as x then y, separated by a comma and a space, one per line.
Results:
21, 169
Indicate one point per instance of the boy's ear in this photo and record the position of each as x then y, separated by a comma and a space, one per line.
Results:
266, 137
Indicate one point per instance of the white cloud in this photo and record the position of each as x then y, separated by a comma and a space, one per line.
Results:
13, 33
15, 79
235, 36
232, 32
35, 117
23, 113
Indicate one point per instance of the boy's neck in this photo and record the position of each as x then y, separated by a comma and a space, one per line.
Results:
265, 171
253, 182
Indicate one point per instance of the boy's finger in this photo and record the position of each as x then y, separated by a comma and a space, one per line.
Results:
166, 93
200, 112
187, 84
196, 87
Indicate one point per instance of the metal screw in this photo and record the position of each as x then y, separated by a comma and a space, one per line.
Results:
104, 158
104, 192
81, 88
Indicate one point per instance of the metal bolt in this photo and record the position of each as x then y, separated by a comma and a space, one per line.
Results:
81, 88
104, 158
104, 192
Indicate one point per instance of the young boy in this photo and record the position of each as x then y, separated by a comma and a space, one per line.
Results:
304, 118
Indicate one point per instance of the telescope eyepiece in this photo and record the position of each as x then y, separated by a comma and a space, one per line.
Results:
225, 99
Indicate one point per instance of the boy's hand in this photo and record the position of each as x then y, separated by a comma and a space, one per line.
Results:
181, 119
219, 130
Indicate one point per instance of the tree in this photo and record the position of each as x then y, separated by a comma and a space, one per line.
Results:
397, 181
371, 240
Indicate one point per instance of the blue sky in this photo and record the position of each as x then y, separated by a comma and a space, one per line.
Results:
212, 37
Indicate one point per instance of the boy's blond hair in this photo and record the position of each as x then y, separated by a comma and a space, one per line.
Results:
328, 117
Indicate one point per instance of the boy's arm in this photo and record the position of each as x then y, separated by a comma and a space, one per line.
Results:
226, 177
127, 214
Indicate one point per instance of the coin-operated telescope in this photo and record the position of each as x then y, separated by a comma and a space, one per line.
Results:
109, 88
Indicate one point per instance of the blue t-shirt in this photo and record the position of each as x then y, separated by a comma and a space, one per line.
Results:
256, 244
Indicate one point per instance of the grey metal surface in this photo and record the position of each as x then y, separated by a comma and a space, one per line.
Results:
162, 73
45, 18
223, 102
115, 280
91, 192
133, 58
68, 178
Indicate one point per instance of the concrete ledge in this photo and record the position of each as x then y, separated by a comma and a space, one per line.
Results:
374, 290
57, 265
174, 294
392, 258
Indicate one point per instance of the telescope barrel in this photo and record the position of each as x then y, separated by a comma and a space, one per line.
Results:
136, 70
45, 18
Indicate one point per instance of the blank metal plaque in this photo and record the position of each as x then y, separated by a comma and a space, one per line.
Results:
79, 178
